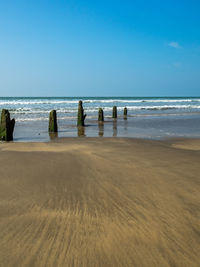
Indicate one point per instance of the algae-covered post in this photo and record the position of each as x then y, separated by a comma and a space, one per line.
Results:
6, 126
114, 113
53, 128
100, 115
81, 116
125, 113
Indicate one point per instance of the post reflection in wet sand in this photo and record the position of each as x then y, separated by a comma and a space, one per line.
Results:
53, 136
81, 131
114, 127
101, 129
125, 125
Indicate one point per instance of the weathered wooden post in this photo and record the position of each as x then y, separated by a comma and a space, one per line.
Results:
125, 113
53, 128
81, 116
114, 113
6, 126
100, 115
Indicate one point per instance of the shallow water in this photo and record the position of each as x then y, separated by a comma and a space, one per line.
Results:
150, 127
153, 118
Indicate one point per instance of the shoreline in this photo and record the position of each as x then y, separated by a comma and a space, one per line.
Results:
96, 138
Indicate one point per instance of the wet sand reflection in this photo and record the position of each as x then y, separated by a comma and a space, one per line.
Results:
101, 129
53, 136
114, 127
81, 131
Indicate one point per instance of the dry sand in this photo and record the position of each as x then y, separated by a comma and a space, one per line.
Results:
100, 202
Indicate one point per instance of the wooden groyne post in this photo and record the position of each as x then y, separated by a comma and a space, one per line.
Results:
53, 127
100, 115
6, 126
81, 116
125, 113
114, 113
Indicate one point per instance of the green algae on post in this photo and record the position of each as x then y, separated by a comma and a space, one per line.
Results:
6, 126
53, 128
114, 113
80, 116
100, 115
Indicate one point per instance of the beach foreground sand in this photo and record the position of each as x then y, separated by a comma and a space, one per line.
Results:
100, 202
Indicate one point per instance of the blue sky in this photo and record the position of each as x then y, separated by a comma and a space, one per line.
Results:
99, 48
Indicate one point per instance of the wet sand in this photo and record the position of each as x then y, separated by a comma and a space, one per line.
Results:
100, 202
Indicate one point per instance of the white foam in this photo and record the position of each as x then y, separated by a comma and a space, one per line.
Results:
50, 102
32, 119
55, 102
164, 107
95, 109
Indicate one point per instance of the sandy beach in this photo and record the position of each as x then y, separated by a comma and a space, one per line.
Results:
100, 202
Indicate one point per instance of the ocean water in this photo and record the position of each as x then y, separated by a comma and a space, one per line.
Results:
147, 117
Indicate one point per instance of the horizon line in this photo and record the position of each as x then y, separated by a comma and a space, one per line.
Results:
98, 96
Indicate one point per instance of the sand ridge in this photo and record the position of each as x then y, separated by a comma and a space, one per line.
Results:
187, 144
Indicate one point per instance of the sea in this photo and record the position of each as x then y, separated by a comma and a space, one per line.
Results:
148, 117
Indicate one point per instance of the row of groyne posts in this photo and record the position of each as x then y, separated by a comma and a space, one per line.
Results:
7, 125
